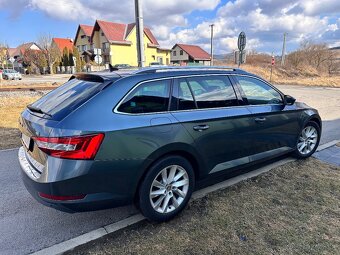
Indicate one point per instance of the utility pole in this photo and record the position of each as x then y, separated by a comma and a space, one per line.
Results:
211, 44
283, 49
140, 33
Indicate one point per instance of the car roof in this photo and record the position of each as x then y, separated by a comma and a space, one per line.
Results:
160, 72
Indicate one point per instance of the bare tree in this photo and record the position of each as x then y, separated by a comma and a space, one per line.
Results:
3, 53
331, 62
51, 52
35, 58
296, 58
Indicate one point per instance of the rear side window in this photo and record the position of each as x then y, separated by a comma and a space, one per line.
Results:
212, 92
185, 98
68, 97
258, 92
147, 98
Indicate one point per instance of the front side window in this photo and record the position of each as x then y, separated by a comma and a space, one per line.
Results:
174, 53
147, 98
212, 92
258, 92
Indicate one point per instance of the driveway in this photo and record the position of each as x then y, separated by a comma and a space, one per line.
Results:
26, 226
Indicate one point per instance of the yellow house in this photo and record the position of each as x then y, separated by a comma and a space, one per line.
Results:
118, 44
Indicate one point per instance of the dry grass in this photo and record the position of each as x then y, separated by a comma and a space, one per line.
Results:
10, 109
293, 77
13, 85
306, 76
293, 209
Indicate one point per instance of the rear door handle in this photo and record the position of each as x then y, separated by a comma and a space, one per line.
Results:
260, 119
201, 128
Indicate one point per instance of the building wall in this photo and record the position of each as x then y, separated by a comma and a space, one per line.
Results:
98, 39
178, 57
82, 41
127, 54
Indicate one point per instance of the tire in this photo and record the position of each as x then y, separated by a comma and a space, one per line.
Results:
154, 207
307, 141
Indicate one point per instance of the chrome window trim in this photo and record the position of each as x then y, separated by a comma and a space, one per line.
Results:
115, 110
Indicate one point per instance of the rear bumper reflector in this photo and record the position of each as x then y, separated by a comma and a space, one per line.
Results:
61, 198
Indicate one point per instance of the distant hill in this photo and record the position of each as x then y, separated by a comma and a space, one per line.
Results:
228, 56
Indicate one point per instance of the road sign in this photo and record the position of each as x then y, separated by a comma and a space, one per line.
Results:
98, 59
240, 57
242, 40
11, 59
273, 60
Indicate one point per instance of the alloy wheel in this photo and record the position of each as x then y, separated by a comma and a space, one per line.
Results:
307, 140
169, 189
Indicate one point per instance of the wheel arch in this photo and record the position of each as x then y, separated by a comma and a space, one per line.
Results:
176, 149
315, 119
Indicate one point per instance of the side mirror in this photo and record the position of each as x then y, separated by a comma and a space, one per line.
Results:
288, 100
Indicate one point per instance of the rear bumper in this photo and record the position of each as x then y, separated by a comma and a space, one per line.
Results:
102, 189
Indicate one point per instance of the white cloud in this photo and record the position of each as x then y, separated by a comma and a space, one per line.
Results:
264, 21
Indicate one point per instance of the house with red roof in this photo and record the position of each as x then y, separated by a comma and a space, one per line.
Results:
83, 42
62, 43
117, 44
186, 54
18, 53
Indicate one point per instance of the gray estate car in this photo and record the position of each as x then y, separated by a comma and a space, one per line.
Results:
151, 136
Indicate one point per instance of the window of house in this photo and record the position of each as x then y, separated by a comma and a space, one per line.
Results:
105, 45
181, 53
84, 47
83, 36
258, 92
103, 34
174, 53
149, 97
212, 92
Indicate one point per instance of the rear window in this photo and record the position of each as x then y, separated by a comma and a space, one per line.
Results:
68, 97
147, 98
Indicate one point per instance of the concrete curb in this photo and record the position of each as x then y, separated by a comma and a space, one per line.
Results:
100, 232
327, 145
12, 149
90, 236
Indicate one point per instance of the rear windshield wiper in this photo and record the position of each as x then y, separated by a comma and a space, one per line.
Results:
38, 110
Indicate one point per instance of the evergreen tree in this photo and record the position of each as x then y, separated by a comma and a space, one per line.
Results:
79, 62
71, 61
66, 57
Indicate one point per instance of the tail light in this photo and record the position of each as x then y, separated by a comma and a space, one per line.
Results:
74, 147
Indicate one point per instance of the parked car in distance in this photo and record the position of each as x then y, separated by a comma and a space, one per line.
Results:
151, 136
9, 74
156, 64
122, 66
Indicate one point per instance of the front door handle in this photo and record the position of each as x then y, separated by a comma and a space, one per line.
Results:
260, 119
201, 128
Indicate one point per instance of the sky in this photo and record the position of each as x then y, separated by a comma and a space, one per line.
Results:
182, 21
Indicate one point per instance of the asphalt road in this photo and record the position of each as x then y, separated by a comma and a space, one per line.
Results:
26, 226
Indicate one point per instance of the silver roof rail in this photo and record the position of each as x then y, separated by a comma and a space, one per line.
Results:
186, 68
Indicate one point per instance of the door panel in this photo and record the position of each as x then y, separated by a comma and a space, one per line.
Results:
209, 110
228, 135
274, 124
